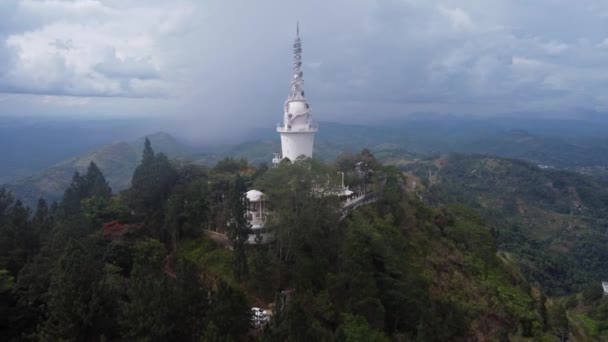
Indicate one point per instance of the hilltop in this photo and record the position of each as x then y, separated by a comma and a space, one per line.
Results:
394, 269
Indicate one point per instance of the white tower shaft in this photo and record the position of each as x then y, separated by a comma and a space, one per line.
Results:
298, 129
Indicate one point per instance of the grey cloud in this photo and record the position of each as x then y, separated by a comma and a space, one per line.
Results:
127, 68
63, 44
226, 62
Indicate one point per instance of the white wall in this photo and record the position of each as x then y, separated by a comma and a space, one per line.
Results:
295, 144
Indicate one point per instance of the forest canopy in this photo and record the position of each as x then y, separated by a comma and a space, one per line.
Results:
142, 264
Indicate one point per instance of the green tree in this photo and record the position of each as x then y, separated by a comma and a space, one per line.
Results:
238, 226
297, 322
302, 199
358, 273
96, 184
188, 209
230, 165
592, 293
73, 295
32, 286
389, 186
7, 303
6, 281
356, 329
558, 320
151, 186
229, 312
147, 312
192, 302
92, 184
6, 230
262, 272
6, 202
148, 153
18, 240
43, 220
72, 196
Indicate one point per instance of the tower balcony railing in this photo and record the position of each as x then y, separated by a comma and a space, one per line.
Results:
277, 158
256, 219
311, 127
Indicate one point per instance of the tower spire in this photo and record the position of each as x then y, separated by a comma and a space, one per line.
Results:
297, 82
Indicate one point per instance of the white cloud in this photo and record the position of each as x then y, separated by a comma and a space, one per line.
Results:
72, 9
527, 65
65, 101
603, 44
554, 47
459, 18
88, 48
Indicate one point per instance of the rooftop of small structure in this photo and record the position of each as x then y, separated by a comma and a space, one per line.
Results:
254, 195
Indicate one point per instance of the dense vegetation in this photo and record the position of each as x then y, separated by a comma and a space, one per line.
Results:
587, 314
552, 221
140, 265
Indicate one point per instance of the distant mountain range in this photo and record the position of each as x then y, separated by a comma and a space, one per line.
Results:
30, 145
560, 143
117, 161
565, 144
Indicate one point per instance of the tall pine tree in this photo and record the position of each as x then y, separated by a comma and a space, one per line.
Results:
92, 185
238, 226
151, 186
147, 313
96, 184
73, 295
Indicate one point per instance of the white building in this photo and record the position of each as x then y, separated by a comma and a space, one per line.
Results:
298, 129
256, 217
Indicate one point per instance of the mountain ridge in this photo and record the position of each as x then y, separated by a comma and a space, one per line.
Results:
117, 161
556, 143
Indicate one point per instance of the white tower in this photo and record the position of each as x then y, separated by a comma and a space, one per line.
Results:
297, 130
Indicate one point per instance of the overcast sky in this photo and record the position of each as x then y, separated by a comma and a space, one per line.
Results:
209, 65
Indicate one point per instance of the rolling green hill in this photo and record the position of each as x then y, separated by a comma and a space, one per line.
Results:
117, 161
553, 221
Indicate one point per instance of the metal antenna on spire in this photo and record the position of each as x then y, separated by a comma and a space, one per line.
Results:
297, 81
